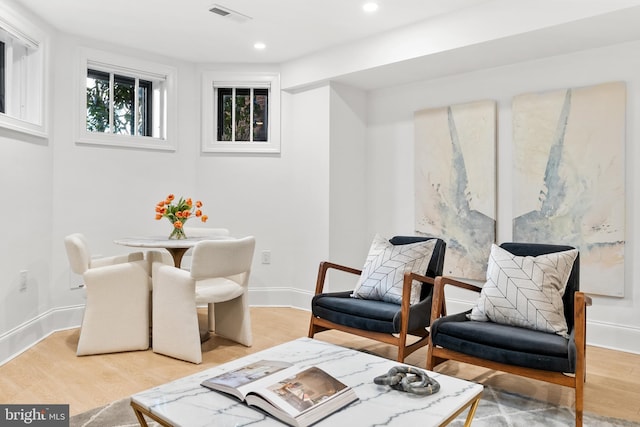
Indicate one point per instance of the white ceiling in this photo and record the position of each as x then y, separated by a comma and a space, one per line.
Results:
185, 29
293, 29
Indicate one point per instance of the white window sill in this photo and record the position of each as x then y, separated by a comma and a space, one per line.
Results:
21, 126
125, 141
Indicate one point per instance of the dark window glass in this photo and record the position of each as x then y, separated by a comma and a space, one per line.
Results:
124, 97
123, 102
225, 108
2, 83
97, 101
145, 107
260, 114
243, 114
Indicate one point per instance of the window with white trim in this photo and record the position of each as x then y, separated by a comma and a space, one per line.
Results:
122, 104
241, 112
126, 102
22, 78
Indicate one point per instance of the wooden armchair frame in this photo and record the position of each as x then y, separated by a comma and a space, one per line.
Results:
318, 324
437, 355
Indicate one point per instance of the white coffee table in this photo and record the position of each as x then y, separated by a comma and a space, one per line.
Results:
185, 402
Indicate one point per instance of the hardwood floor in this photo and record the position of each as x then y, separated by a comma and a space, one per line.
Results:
50, 372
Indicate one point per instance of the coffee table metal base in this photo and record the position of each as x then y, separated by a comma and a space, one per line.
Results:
141, 413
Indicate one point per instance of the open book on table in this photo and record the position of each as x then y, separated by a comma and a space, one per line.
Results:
298, 397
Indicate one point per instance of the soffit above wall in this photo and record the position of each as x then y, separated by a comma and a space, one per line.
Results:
587, 33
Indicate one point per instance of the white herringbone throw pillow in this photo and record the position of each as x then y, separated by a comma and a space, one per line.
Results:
384, 269
525, 291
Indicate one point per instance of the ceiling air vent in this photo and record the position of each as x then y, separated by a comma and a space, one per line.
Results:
227, 13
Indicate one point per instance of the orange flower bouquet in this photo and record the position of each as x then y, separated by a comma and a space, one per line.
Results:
178, 213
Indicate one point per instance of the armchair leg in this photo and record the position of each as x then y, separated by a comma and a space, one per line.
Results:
430, 363
580, 380
312, 328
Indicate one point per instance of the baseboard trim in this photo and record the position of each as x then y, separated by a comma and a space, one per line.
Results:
280, 297
23, 337
614, 337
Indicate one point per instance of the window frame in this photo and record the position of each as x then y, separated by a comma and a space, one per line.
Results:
256, 80
135, 68
30, 77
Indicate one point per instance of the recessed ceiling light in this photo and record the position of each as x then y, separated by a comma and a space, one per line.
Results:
259, 45
370, 7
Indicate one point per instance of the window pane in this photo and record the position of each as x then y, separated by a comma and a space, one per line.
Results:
260, 116
225, 108
97, 101
123, 101
243, 114
2, 83
145, 102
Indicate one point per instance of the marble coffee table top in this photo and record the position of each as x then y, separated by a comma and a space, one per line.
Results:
185, 402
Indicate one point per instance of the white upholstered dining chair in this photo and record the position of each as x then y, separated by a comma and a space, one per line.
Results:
206, 232
219, 277
116, 314
214, 233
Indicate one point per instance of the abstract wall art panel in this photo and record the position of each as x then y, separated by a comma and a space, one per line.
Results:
569, 177
455, 183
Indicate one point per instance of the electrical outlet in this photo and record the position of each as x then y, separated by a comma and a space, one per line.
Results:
266, 257
23, 280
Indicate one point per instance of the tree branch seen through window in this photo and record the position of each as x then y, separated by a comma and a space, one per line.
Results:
111, 104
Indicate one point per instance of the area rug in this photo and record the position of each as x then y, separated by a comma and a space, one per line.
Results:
497, 409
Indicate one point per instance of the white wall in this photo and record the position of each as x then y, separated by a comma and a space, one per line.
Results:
345, 173
25, 185
56, 187
613, 322
281, 199
26, 167
348, 239
106, 192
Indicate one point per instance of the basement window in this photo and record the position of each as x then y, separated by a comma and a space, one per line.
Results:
126, 102
22, 76
121, 104
241, 112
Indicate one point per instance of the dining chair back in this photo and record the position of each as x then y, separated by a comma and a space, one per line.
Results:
77, 253
116, 315
200, 232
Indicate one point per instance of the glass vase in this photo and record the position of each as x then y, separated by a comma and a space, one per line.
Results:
177, 233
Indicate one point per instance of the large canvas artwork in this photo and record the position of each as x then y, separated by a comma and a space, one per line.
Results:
569, 177
455, 183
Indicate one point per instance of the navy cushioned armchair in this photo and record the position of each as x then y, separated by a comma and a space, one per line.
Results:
540, 355
379, 320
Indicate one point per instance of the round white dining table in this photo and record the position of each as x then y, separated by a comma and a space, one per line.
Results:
176, 247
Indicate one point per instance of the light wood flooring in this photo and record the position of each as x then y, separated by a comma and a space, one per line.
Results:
50, 372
